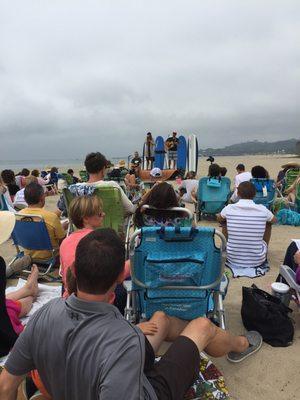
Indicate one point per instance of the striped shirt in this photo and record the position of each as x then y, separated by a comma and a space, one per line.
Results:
246, 224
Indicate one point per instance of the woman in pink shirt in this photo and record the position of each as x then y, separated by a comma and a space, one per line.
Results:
86, 214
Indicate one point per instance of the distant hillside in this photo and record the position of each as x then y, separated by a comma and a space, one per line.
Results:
291, 146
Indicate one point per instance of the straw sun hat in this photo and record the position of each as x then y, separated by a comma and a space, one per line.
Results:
7, 224
291, 164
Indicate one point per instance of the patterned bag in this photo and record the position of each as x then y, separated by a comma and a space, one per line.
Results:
210, 384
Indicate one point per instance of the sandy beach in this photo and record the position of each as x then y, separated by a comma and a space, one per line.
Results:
273, 372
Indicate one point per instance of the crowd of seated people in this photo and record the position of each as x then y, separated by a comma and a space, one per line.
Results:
107, 343
93, 266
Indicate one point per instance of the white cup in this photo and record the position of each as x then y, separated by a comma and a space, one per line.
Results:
282, 291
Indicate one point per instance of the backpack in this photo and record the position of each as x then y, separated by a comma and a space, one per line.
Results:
267, 315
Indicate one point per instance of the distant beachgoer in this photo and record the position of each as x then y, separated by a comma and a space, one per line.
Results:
35, 198
20, 201
9, 180
149, 151
223, 171
71, 172
95, 164
162, 195
259, 172
41, 181
136, 160
5, 193
242, 176
171, 147
132, 183
214, 171
248, 228
20, 177
188, 187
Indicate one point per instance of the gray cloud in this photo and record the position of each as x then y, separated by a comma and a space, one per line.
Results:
77, 76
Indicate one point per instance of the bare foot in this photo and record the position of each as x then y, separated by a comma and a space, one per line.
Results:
32, 281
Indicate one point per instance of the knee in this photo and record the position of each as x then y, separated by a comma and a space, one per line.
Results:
160, 315
205, 326
160, 318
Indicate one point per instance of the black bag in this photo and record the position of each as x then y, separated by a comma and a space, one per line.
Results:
267, 315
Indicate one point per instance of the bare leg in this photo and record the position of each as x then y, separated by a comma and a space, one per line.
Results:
26, 305
29, 289
168, 328
215, 341
267, 234
224, 230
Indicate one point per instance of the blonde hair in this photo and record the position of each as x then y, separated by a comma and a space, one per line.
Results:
30, 179
82, 207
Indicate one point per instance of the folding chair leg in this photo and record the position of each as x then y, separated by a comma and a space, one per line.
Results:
221, 312
129, 310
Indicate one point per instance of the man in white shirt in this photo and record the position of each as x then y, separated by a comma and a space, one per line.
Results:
188, 188
242, 176
248, 228
95, 164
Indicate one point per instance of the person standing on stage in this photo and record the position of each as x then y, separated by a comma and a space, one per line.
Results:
171, 146
149, 151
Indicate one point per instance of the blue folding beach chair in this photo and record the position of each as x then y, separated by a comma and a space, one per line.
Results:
30, 232
173, 216
3, 204
178, 271
265, 191
213, 195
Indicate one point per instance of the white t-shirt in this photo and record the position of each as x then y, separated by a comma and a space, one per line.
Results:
20, 198
246, 224
189, 185
239, 178
129, 208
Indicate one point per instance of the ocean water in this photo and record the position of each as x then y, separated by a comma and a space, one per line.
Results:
41, 164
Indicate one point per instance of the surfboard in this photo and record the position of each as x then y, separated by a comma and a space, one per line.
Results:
181, 153
192, 153
144, 164
159, 153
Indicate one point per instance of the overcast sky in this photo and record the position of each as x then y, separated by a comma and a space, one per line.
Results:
78, 76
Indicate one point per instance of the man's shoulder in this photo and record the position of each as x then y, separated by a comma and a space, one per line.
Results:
39, 211
52, 309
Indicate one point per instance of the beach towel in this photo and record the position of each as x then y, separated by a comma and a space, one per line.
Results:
288, 217
82, 190
249, 272
46, 293
210, 383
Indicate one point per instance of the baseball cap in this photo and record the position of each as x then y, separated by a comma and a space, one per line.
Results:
156, 172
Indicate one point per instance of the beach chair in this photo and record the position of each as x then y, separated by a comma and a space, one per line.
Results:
290, 177
178, 271
3, 204
265, 191
290, 278
173, 216
113, 209
213, 195
68, 178
30, 232
298, 198
83, 175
